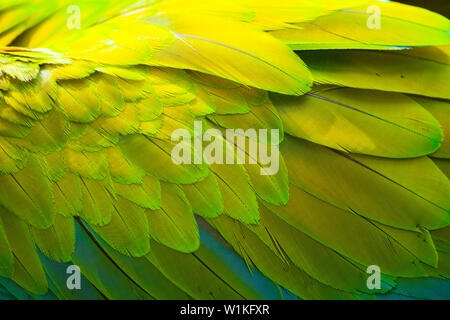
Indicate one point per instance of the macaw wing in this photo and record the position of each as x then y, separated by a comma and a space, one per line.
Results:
86, 170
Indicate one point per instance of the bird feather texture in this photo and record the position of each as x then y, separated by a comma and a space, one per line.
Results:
87, 120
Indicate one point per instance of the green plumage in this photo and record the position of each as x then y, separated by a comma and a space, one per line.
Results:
357, 118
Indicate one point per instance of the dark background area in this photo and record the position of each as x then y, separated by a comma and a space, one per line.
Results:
439, 6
